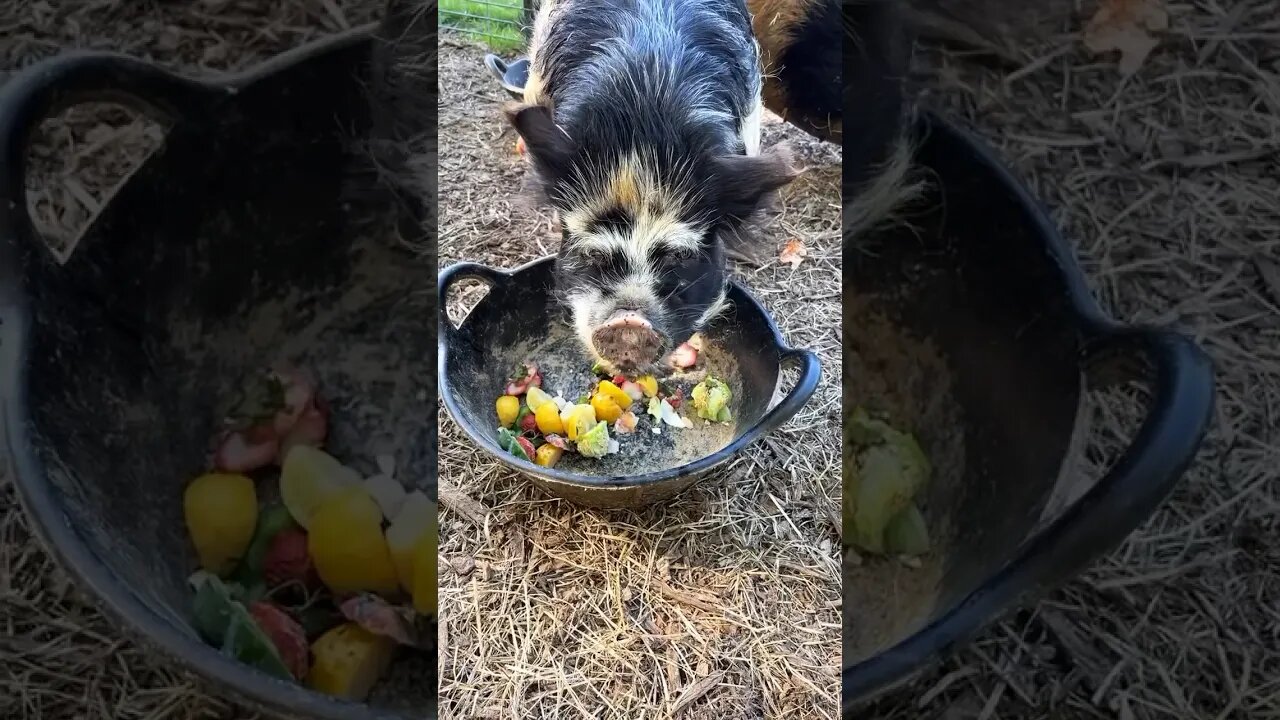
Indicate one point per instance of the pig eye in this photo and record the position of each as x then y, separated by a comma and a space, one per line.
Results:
594, 256
674, 256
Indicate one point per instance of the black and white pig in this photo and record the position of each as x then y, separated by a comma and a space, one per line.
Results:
641, 119
642, 123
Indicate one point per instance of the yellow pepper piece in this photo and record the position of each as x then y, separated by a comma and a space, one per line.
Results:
349, 661
414, 522
606, 409
614, 393
221, 511
508, 409
548, 455
548, 419
581, 419
648, 384
424, 570
348, 547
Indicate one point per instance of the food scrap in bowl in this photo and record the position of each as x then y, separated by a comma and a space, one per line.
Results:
326, 587
886, 470
536, 425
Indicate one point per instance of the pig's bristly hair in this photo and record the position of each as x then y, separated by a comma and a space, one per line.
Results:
878, 152
649, 111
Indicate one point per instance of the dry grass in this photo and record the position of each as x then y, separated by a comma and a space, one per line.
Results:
724, 602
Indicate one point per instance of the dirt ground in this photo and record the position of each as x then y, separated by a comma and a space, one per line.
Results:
722, 602
1167, 184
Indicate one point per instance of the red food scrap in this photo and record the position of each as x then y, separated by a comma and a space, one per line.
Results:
675, 399
285, 633
631, 389
527, 377
242, 451
684, 356
287, 560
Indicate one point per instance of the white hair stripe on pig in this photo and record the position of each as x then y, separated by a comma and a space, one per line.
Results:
713, 310
655, 208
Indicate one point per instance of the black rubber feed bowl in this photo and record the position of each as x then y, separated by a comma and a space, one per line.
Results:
984, 282
232, 247
511, 75
477, 356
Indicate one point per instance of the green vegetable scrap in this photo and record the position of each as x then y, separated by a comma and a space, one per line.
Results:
224, 622
885, 470
711, 400
907, 533
271, 520
510, 442
595, 443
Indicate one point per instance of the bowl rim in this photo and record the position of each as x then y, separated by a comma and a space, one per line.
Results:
806, 385
138, 80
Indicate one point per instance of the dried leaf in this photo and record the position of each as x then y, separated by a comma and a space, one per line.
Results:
793, 253
1126, 26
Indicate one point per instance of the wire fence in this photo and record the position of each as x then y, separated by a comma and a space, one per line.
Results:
498, 23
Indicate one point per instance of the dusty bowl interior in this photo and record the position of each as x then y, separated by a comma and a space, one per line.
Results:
234, 247
517, 321
961, 329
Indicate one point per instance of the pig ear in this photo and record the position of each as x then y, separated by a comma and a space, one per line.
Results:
745, 181
545, 142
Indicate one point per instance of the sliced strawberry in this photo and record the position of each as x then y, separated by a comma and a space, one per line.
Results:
619, 379
684, 356
528, 376
526, 445
632, 389
287, 560
245, 451
529, 423
285, 633
675, 399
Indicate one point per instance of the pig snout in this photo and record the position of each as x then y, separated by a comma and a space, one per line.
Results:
628, 340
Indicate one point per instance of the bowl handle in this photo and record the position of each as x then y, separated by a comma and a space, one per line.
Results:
445, 281
497, 66
1181, 409
1180, 375
810, 373
78, 77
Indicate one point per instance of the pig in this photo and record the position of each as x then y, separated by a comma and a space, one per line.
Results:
641, 120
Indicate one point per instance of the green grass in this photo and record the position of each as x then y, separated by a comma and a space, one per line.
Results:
495, 22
